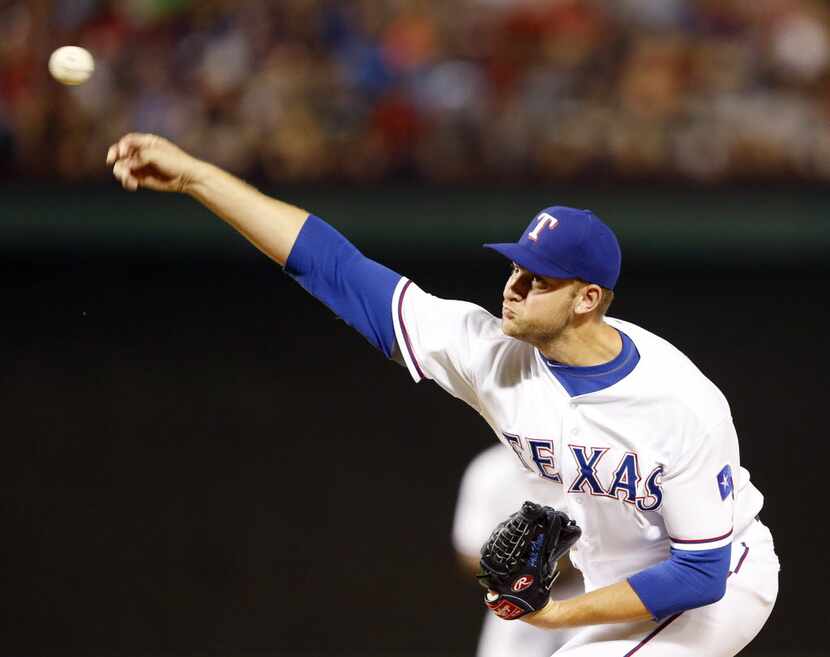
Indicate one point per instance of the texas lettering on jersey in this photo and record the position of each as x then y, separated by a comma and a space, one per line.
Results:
622, 482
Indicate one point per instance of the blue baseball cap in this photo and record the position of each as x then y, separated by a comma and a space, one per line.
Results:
563, 242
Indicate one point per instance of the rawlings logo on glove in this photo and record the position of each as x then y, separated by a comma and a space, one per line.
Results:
519, 560
522, 583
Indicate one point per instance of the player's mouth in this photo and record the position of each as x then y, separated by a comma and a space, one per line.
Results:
506, 313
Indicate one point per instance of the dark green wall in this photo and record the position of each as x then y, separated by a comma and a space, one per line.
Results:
786, 224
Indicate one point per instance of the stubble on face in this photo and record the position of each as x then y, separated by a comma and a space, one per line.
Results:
534, 332
539, 324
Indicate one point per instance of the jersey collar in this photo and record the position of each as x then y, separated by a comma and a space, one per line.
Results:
583, 380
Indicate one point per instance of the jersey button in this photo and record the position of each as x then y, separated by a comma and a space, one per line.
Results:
574, 431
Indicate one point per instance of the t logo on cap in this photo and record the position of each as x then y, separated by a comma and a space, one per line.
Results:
544, 218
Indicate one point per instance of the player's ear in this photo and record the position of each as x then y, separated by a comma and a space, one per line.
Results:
588, 298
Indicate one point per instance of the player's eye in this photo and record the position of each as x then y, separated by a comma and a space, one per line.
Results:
541, 284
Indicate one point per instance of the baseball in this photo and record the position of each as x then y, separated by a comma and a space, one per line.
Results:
71, 65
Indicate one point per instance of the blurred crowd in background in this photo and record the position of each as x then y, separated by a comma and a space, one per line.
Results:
432, 90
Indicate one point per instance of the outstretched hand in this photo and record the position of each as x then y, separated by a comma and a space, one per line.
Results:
142, 160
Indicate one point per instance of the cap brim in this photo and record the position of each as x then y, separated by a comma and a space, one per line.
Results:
526, 258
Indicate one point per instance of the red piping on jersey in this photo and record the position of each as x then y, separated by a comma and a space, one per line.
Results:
699, 540
740, 561
405, 332
653, 634
743, 556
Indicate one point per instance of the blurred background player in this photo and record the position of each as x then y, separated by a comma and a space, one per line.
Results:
493, 487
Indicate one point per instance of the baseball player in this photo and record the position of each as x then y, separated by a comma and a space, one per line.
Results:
675, 561
491, 489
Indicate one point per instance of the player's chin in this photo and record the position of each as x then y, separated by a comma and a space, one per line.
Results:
510, 328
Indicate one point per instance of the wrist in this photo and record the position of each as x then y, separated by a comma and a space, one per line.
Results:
547, 617
197, 181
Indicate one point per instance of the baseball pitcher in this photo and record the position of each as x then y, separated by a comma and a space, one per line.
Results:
664, 517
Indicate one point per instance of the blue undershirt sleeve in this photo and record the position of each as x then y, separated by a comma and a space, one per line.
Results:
685, 581
357, 289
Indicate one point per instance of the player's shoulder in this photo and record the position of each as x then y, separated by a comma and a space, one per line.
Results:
466, 318
669, 374
466, 314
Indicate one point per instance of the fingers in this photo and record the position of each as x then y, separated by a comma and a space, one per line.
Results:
147, 161
122, 172
141, 157
129, 144
130, 153
134, 143
141, 169
125, 170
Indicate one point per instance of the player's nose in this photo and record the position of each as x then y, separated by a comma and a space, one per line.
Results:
513, 289
509, 294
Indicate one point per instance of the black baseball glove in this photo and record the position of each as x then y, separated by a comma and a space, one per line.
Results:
519, 560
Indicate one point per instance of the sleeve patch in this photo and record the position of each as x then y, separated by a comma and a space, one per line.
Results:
725, 484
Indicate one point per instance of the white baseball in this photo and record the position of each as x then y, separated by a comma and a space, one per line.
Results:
71, 65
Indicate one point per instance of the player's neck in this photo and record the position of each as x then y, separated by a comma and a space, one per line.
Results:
586, 345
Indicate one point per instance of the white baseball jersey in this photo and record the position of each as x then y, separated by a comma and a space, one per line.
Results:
640, 462
494, 486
